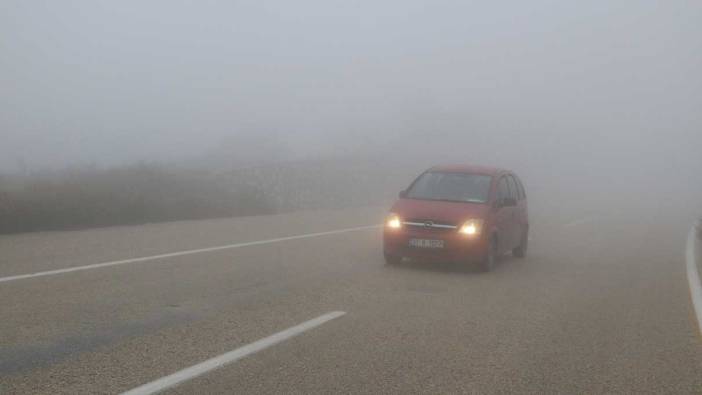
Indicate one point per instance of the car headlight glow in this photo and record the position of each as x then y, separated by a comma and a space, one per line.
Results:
472, 227
393, 222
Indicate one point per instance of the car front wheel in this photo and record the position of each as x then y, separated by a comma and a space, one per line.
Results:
392, 259
488, 262
521, 250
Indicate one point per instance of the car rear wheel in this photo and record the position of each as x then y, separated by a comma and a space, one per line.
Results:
488, 262
521, 250
392, 259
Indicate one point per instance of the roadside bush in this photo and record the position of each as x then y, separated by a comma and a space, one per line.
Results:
129, 195
143, 193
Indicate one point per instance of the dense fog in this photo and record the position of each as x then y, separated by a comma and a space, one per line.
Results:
312, 104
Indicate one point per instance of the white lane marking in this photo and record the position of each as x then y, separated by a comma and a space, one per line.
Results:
693, 276
180, 253
232, 356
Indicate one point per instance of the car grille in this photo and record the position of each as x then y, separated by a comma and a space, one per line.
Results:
429, 224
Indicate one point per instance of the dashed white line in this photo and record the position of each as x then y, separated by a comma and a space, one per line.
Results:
693, 276
232, 356
179, 253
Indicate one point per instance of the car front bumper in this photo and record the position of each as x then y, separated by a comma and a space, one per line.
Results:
457, 247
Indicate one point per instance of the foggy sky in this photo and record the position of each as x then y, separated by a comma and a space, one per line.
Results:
113, 82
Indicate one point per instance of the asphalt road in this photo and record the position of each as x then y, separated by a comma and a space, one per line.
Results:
600, 305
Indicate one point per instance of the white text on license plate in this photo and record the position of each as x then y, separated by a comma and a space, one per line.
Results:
425, 243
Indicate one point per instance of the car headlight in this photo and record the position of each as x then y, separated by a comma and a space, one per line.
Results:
393, 222
472, 227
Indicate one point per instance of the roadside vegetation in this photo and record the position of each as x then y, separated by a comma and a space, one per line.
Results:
82, 198
143, 193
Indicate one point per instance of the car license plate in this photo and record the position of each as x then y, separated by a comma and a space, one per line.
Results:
424, 243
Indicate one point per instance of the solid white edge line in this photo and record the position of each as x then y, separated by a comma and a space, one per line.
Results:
693, 276
229, 357
179, 253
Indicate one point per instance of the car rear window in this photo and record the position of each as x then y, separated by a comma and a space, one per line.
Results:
457, 187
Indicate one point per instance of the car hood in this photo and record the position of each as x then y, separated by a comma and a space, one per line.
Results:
440, 211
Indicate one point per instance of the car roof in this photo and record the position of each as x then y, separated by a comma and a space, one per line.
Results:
470, 169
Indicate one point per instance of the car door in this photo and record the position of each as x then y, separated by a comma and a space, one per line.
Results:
503, 215
521, 211
515, 227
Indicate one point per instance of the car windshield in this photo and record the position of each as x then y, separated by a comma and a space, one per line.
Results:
458, 187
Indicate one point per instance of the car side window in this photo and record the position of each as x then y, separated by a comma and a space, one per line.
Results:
522, 194
502, 189
520, 188
514, 192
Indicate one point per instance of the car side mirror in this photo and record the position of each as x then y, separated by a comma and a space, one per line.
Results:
505, 202
509, 202
402, 194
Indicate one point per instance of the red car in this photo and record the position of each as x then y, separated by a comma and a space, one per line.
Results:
459, 213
